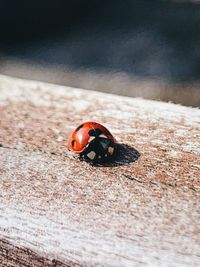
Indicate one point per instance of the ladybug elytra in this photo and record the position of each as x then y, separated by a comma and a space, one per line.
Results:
92, 142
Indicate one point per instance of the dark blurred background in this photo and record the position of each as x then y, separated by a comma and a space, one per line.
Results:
149, 49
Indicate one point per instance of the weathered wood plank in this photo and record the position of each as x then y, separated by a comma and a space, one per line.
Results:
11, 255
141, 211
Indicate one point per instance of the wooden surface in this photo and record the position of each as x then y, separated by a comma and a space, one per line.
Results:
141, 210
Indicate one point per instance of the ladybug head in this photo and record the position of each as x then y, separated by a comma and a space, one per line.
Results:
100, 148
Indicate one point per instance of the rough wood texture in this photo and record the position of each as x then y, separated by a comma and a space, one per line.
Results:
142, 210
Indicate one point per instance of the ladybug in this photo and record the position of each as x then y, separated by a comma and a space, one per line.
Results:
92, 142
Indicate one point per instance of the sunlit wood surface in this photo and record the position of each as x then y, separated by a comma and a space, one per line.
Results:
140, 210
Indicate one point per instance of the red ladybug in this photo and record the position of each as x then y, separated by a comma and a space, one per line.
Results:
92, 142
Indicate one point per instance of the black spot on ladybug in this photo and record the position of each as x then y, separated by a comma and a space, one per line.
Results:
73, 142
79, 127
95, 132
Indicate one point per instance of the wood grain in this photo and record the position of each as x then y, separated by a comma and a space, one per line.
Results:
141, 210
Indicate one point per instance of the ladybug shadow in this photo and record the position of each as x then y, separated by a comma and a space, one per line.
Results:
125, 155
